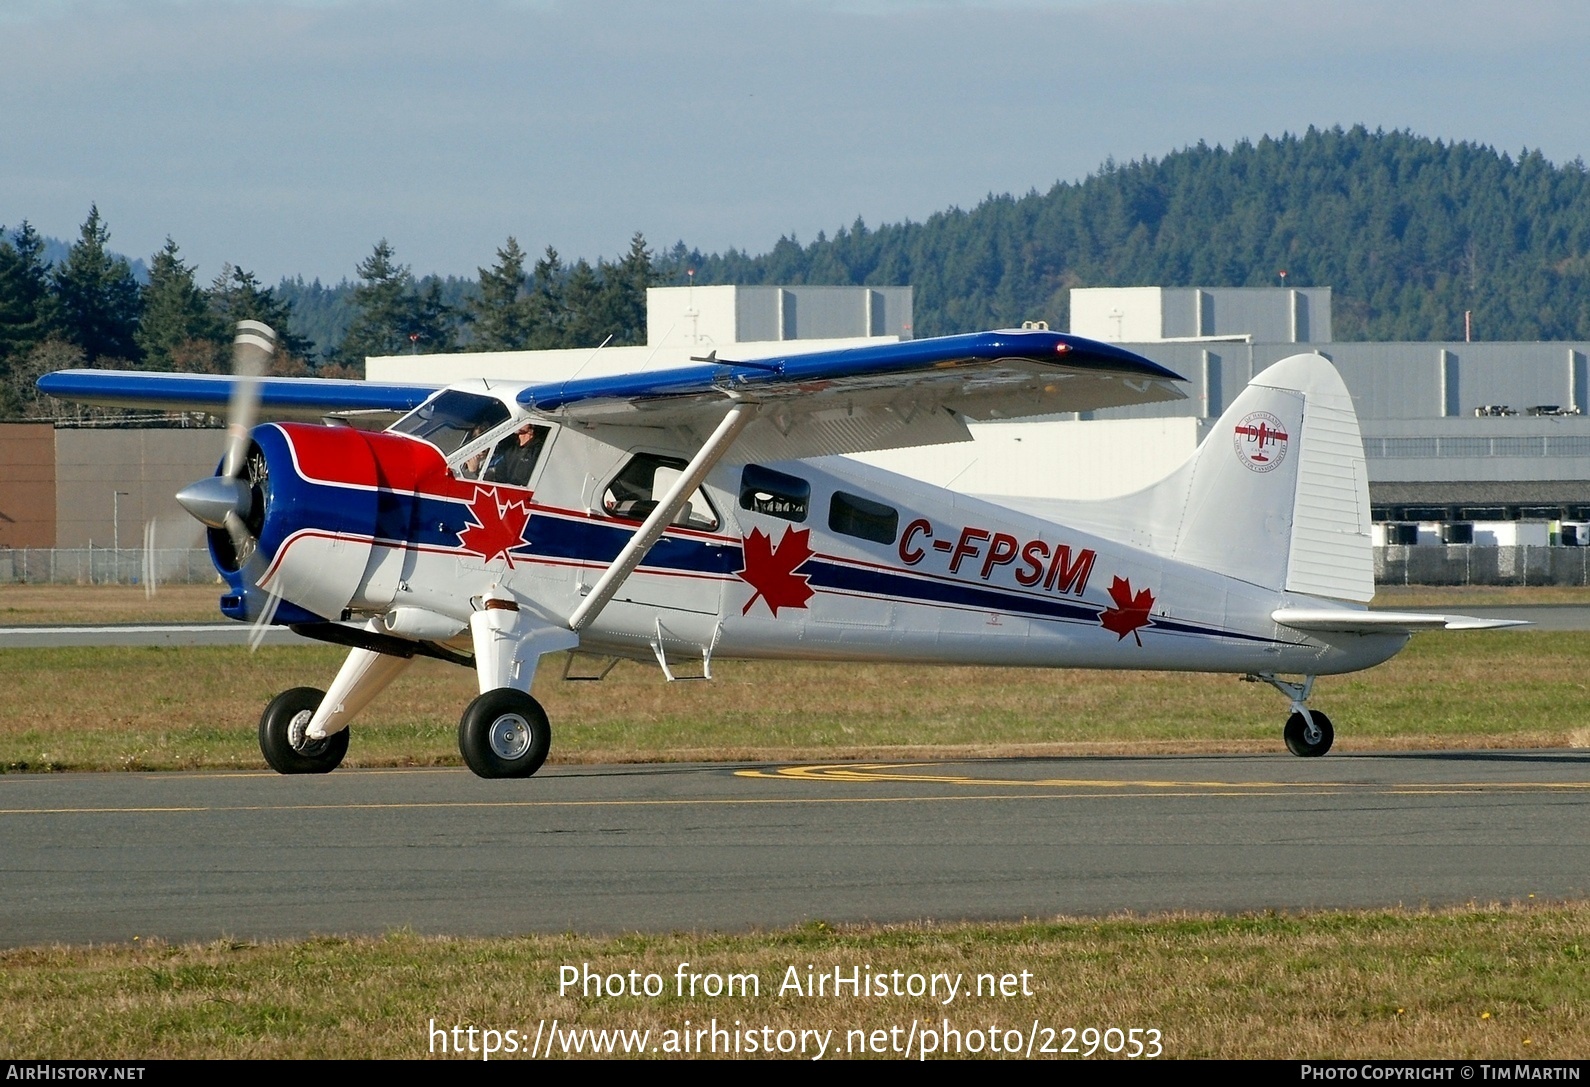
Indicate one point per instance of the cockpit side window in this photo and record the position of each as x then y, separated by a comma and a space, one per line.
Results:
452, 418
514, 459
636, 490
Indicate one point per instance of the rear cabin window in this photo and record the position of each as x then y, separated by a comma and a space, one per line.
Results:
636, 490
776, 494
863, 518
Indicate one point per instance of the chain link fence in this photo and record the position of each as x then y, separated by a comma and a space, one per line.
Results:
106, 566
1470, 564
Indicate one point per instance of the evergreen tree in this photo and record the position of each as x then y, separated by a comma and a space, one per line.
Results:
25, 301
583, 325
97, 297
236, 295
392, 316
501, 315
432, 324
379, 300
178, 330
548, 314
624, 293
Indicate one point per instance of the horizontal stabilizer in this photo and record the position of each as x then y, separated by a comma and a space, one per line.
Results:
1347, 621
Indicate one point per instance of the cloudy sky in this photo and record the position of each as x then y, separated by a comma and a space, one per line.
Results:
289, 135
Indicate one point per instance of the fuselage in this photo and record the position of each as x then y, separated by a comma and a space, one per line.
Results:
826, 559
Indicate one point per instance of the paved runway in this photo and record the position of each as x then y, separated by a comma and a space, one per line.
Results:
106, 857
1542, 616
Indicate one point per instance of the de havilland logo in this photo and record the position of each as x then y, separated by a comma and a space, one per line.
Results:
1260, 441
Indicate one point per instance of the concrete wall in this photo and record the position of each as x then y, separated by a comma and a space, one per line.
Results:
27, 485
149, 465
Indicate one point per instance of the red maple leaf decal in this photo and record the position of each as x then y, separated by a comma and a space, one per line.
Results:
498, 526
771, 571
1130, 612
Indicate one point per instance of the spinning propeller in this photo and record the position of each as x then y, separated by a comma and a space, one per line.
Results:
233, 500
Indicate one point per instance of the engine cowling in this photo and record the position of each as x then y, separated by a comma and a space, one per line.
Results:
318, 499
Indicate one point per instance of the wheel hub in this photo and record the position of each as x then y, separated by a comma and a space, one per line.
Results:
509, 736
298, 733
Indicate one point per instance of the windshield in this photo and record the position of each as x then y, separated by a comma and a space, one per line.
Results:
453, 418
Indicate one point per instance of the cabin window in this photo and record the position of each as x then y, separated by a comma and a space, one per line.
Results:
862, 517
776, 494
636, 490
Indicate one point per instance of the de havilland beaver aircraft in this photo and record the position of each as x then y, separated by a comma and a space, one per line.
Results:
708, 511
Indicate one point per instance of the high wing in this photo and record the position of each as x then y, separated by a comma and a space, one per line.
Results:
280, 397
919, 392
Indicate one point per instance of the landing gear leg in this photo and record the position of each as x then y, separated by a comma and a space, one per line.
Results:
504, 733
1308, 733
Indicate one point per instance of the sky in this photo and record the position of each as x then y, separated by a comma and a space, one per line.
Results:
288, 136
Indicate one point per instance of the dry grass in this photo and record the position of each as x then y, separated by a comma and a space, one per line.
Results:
155, 708
1456, 596
51, 605
1478, 982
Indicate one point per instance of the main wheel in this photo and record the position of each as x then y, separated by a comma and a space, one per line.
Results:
282, 739
1309, 733
504, 734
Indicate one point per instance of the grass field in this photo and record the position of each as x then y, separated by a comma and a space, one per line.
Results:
1479, 982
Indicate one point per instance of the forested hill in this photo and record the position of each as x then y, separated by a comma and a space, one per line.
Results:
1410, 232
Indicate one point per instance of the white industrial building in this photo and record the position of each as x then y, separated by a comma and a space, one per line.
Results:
686, 323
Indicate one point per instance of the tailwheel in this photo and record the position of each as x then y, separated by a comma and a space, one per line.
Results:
504, 734
1309, 733
282, 738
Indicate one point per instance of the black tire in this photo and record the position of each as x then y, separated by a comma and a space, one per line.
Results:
287, 714
504, 734
1306, 742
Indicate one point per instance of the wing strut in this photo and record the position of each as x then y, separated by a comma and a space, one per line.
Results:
658, 520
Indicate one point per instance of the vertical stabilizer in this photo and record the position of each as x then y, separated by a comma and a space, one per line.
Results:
1277, 495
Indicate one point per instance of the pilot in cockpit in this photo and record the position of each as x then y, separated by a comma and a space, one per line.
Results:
516, 456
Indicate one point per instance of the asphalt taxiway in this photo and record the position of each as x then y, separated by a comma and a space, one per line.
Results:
197, 856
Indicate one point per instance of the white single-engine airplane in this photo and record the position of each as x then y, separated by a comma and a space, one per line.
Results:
706, 512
